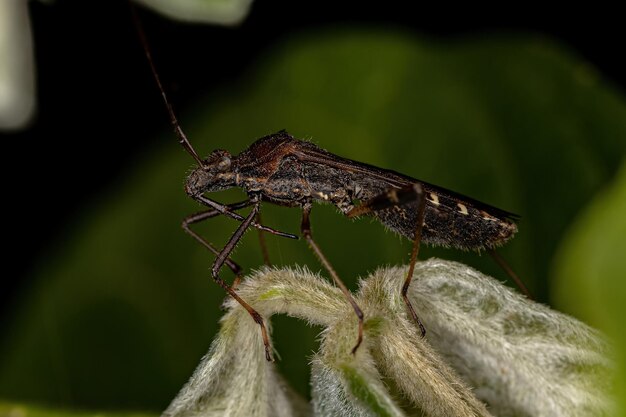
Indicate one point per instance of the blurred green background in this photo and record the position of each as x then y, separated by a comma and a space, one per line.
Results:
121, 310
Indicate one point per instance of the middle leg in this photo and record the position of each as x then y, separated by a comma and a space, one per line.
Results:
209, 214
305, 227
222, 258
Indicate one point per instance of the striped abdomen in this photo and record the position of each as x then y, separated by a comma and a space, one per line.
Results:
452, 220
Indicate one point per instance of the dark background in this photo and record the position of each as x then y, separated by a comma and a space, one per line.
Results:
98, 107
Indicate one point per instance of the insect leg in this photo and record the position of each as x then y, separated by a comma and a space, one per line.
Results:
419, 224
398, 197
208, 214
223, 209
505, 266
219, 262
306, 232
262, 243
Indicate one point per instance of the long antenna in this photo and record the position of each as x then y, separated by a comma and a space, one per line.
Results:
182, 138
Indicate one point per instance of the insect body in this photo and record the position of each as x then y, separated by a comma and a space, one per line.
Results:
286, 171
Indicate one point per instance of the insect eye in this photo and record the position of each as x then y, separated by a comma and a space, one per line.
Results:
223, 164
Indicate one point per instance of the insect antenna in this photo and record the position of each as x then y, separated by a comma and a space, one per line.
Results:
182, 138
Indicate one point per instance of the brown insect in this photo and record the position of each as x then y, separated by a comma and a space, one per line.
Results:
286, 171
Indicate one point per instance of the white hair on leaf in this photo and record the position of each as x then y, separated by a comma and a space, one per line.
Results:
487, 348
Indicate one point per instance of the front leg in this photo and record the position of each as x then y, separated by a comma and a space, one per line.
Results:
209, 214
219, 262
305, 227
223, 209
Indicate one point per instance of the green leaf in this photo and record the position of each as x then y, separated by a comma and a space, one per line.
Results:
121, 312
21, 410
590, 269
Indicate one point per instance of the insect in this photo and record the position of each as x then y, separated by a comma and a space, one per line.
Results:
283, 170
286, 171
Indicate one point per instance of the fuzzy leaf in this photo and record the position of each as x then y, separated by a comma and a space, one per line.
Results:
235, 380
518, 356
521, 357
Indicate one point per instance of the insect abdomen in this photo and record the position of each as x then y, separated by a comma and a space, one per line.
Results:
450, 223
